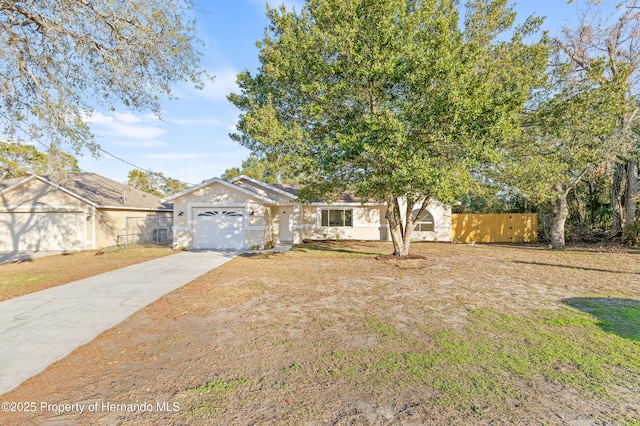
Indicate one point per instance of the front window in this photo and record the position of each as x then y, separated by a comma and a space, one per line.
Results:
337, 217
425, 222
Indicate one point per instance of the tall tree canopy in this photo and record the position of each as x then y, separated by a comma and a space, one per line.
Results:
60, 59
19, 160
261, 169
155, 183
605, 49
390, 98
570, 130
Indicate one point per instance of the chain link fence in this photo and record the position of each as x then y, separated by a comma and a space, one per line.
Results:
148, 230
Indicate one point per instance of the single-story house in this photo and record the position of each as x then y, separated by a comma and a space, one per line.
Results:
88, 212
246, 213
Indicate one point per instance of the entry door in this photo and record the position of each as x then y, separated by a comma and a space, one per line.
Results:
285, 234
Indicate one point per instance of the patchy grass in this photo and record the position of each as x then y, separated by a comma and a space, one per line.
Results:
619, 316
23, 277
333, 333
214, 393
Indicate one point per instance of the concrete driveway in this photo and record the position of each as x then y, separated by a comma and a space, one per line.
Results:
40, 328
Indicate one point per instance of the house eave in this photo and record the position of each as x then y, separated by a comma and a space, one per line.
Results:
145, 209
223, 182
339, 204
264, 185
48, 182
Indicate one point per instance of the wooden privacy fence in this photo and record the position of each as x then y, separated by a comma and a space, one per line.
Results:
494, 228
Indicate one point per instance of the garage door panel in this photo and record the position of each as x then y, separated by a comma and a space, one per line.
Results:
218, 229
31, 231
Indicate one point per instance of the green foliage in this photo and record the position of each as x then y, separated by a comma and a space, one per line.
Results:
155, 183
571, 128
265, 170
388, 98
631, 234
63, 58
231, 173
18, 160
569, 132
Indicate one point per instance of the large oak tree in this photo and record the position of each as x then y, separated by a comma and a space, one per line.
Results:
60, 59
395, 99
605, 49
569, 132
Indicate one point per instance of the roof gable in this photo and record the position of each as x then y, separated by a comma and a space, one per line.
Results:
107, 193
214, 181
95, 190
7, 185
278, 189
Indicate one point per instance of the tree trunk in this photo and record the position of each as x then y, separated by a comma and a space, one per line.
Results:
559, 213
617, 191
401, 227
631, 197
396, 227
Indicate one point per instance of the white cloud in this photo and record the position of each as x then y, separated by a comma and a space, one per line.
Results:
125, 125
127, 117
99, 118
223, 84
138, 132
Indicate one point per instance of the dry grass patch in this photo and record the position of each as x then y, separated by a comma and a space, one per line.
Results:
23, 277
328, 334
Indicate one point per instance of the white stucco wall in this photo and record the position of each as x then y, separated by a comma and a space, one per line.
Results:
441, 220
368, 223
217, 195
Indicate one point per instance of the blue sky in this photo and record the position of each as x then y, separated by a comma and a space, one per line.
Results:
191, 142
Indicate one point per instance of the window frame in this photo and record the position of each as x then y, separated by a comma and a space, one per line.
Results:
426, 221
346, 215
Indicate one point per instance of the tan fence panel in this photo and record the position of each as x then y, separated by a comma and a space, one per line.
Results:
494, 228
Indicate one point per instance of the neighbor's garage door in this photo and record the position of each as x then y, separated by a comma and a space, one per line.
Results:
31, 231
218, 229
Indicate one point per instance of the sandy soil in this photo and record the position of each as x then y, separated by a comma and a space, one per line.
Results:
270, 338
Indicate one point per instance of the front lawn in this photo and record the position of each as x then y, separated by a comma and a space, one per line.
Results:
329, 334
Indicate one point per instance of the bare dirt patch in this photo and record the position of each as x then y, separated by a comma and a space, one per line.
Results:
328, 334
23, 277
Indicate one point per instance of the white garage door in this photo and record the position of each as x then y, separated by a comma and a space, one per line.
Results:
30, 231
218, 229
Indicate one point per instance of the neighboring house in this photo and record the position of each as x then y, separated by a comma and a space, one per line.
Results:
246, 213
90, 212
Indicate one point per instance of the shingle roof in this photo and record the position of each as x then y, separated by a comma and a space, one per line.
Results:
108, 193
103, 192
294, 189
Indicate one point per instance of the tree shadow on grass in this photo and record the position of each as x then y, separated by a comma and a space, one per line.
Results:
617, 316
348, 247
582, 268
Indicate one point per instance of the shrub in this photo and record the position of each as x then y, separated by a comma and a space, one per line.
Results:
631, 234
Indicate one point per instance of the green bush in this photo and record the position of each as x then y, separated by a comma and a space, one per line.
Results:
631, 234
